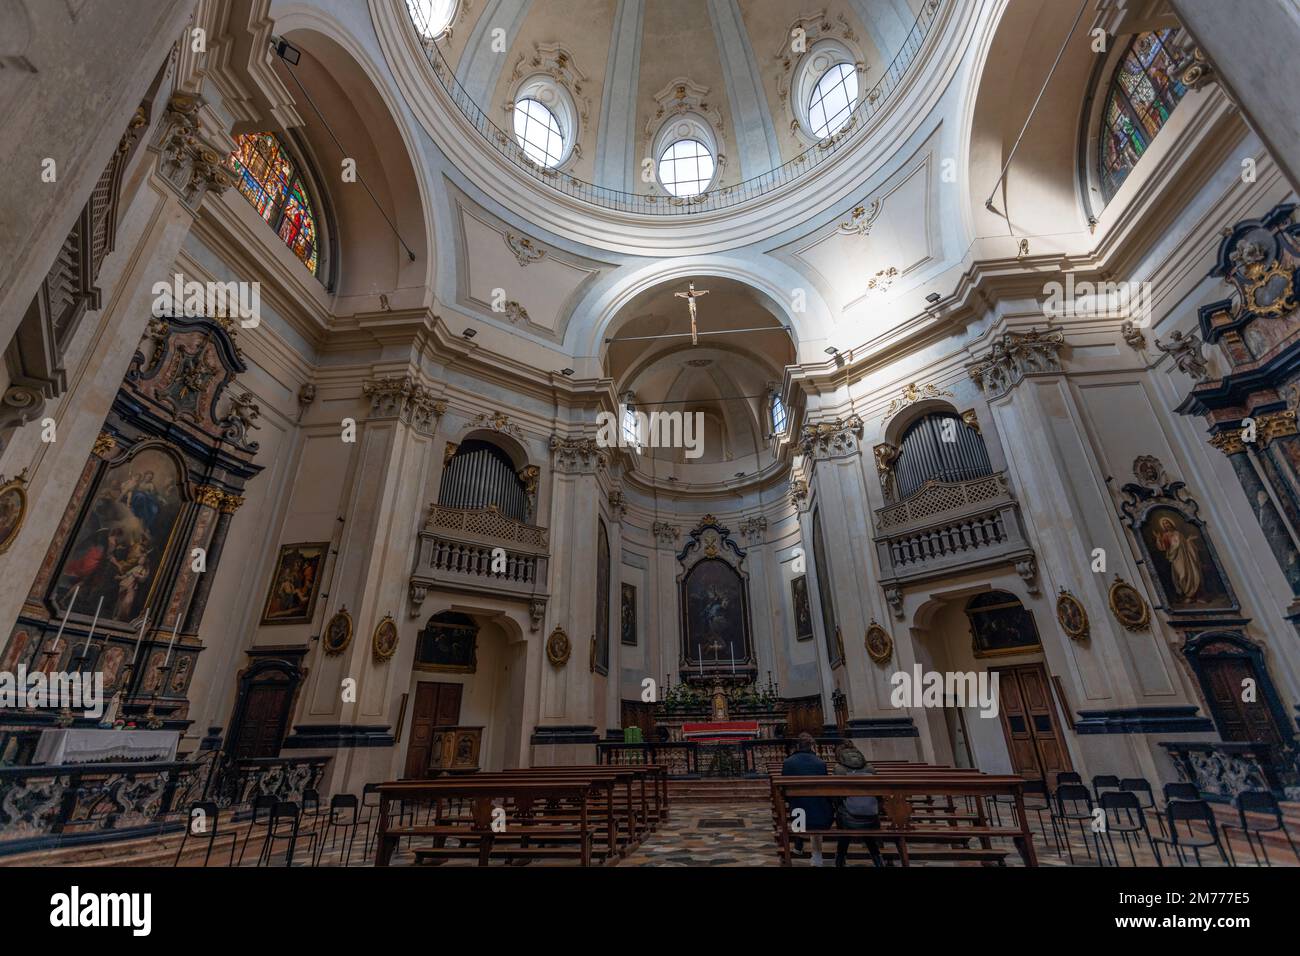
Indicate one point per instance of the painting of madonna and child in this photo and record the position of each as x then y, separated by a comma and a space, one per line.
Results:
121, 539
1183, 562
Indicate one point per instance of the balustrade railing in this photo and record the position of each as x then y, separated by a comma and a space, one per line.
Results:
480, 550
650, 204
680, 758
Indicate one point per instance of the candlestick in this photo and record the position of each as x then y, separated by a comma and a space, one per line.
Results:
732, 646
175, 627
98, 607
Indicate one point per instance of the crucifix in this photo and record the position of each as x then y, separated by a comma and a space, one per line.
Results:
690, 297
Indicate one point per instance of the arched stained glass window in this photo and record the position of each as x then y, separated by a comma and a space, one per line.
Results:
1143, 93
270, 180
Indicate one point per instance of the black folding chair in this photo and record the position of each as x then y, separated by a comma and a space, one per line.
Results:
1074, 804
1124, 816
344, 814
202, 824
1264, 803
1103, 781
1146, 798
263, 807
285, 825
1189, 813
1068, 776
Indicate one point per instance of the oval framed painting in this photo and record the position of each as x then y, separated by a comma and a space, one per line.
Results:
880, 646
338, 632
384, 642
1128, 606
1072, 616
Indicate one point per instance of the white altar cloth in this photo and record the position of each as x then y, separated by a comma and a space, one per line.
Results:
77, 745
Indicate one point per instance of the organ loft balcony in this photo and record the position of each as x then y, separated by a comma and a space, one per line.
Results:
481, 551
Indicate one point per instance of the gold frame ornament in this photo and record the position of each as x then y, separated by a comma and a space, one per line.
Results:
383, 643
1131, 621
1072, 616
14, 486
880, 646
342, 618
558, 647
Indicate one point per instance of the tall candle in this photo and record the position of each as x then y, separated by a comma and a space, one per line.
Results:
175, 627
732, 645
99, 607
143, 624
63, 623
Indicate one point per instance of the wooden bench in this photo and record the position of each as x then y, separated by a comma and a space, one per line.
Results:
901, 823
572, 836
649, 780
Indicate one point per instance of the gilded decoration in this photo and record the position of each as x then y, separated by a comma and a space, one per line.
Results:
1013, 355
827, 438
13, 508
913, 393
558, 647
1072, 616
880, 646
338, 633
1128, 606
105, 445
384, 641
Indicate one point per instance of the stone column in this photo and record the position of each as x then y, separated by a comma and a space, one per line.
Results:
840, 495
567, 724
370, 576
1253, 48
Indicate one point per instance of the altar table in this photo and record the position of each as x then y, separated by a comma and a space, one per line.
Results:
89, 745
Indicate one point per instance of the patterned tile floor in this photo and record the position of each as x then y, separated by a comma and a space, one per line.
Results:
740, 834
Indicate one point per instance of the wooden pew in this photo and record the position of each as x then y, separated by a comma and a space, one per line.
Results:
650, 781
615, 810
524, 838
900, 821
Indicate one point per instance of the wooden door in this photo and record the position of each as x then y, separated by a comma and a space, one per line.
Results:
436, 705
1237, 720
636, 713
265, 716
1033, 733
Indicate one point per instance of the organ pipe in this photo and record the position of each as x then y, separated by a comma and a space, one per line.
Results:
924, 455
480, 475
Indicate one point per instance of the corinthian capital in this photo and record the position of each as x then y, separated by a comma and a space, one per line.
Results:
187, 159
578, 454
831, 439
403, 398
1014, 355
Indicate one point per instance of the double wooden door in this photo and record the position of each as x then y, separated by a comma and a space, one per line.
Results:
1224, 680
436, 705
1029, 722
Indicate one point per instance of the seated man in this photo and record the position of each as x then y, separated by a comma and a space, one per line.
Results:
856, 813
804, 762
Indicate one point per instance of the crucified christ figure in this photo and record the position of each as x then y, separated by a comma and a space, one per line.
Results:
690, 298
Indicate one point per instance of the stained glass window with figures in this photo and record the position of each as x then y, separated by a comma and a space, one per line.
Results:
1143, 92
270, 180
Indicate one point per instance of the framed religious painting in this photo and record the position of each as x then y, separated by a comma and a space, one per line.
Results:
627, 616
448, 644
1000, 625
1184, 566
295, 583
803, 625
1072, 616
384, 641
1128, 606
120, 541
338, 633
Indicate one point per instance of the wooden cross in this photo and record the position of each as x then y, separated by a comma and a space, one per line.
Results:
690, 297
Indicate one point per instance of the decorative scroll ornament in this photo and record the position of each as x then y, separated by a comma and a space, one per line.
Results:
241, 418
516, 313
754, 527
894, 597
709, 539
617, 504
536, 613
403, 398
862, 219
1072, 616
882, 280
666, 533
13, 508
1128, 606
1014, 355
497, 422
971, 421
338, 633
558, 647
1027, 568
833, 438
525, 250
384, 641
914, 393
880, 646
578, 454
1187, 355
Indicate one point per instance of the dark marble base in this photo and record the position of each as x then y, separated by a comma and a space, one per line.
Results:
566, 734
337, 736
1143, 720
882, 727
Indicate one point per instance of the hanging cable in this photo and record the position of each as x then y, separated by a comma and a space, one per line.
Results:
281, 48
